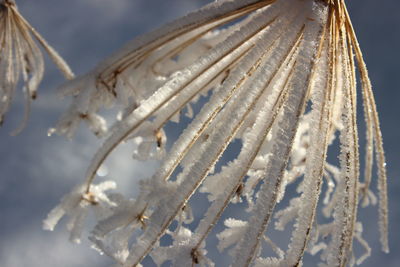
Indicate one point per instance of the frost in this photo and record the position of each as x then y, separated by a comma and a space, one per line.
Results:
233, 234
181, 253
76, 206
277, 77
21, 58
150, 143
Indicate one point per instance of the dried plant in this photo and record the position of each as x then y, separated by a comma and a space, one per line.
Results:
20, 56
277, 76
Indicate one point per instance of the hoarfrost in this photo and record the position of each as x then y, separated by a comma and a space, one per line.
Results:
281, 80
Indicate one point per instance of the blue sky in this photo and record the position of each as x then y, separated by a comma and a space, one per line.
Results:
36, 170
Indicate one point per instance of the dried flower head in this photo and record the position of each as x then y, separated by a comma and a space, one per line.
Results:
278, 76
21, 57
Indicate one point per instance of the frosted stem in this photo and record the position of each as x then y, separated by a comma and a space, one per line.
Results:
143, 46
272, 103
207, 66
191, 177
380, 156
225, 93
57, 59
298, 91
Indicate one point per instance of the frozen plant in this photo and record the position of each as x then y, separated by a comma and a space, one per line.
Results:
20, 56
276, 76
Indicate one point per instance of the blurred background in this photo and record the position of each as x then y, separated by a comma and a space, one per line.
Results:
37, 170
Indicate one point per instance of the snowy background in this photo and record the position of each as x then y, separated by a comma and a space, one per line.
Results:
36, 170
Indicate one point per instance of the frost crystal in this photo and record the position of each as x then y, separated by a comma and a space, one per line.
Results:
277, 77
76, 205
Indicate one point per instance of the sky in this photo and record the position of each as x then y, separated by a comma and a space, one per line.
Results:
36, 170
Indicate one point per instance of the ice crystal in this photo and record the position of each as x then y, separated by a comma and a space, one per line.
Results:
278, 76
76, 205
20, 56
